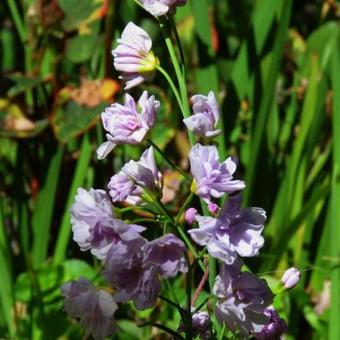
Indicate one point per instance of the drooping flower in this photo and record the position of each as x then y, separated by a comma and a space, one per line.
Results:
133, 56
290, 278
242, 299
135, 179
136, 267
93, 225
206, 115
161, 7
95, 307
234, 232
274, 329
212, 178
128, 123
190, 215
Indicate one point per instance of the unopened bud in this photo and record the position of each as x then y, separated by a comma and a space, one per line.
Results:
290, 278
190, 215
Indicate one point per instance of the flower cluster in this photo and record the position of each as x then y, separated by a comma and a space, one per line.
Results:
133, 266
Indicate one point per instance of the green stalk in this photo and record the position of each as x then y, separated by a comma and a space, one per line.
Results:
183, 207
173, 165
17, 20
179, 75
78, 179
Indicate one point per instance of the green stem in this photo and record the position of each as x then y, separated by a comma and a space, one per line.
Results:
178, 41
17, 20
180, 77
184, 206
173, 165
172, 85
188, 321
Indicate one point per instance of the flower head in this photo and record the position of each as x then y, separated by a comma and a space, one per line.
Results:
212, 178
290, 278
161, 7
136, 267
94, 307
133, 56
94, 226
205, 118
234, 232
242, 300
128, 123
135, 178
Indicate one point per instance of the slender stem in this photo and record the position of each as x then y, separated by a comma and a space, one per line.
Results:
188, 321
180, 77
17, 20
172, 85
184, 206
200, 286
178, 41
173, 165
141, 220
163, 328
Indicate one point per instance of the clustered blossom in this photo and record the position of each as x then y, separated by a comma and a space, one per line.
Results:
233, 232
93, 225
135, 268
128, 123
133, 265
94, 307
212, 179
133, 56
206, 115
161, 7
136, 179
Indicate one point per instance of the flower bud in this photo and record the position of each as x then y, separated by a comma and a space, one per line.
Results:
213, 208
190, 215
290, 278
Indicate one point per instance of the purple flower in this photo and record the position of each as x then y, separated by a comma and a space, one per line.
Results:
128, 123
134, 268
167, 253
94, 226
133, 56
206, 115
212, 178
234, 232
242, 300
161, 7
190, 215
213, 208
290, 278
274, 329
136, 179
201, 325
94, 307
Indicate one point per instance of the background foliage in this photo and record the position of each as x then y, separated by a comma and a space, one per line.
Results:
276, 68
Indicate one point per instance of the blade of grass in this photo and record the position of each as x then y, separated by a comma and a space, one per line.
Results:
42, 216
6, 286
262, 117
77, 181
334, 319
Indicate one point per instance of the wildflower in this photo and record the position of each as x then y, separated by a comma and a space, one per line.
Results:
136, 179
290, 278
205, 118
190, 215
212, 178
128, 123
136, 267
234, 232
94, 307
133, 56
201, 325
94, 226
274, 329
213, 208
161, 7
242, 300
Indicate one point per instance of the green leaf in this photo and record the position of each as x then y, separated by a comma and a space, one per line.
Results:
71, 120
81, 48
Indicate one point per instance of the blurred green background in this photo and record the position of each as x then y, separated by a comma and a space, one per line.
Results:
275, 66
